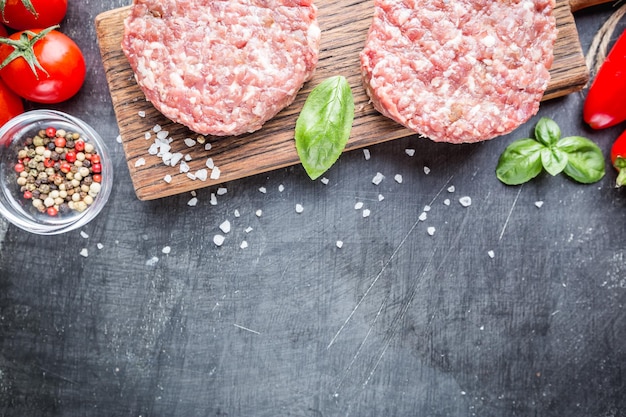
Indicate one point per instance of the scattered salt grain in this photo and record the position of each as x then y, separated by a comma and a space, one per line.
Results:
398, 178
236, 213
147, 135
299, 208
339, 244
153, 149
366, 213
446, 201
84, 235
422, 217
192, 202
222, 190
215, 173
465, 201
209, 163
324, 180
426, 207
243, 244
281, 188
409, 152
84, 252
259, 213
207, 146
381, 197
187, 157
225, 226
175, 159
451, 189
184, 167
156, 128
538, 204
140, 162
218, 240
152, 261
202, 174
378, 178
491, 254
358, 205
430, 231
118, 138
213, 200
99, 245
366, 154
189, 142
193, 193
426, 170
248, 229
262, 190
162, 134
166, 249
141, 113
191, 175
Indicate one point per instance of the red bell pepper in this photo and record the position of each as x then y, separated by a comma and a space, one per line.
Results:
605, 104
618, 159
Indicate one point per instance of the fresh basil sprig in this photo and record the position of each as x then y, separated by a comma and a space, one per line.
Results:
576, 156
324, 124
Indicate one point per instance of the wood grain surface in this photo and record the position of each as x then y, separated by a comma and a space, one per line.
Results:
344, 27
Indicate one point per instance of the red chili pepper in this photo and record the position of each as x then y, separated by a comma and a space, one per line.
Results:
618, 159
604, 105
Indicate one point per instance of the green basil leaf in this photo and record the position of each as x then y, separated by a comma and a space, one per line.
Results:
520, 162
324, 124
585, 159
547, 131
553, 160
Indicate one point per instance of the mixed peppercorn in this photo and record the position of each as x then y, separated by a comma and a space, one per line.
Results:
58, 171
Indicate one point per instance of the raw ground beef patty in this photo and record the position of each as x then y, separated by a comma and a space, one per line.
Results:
459, 70
221, 67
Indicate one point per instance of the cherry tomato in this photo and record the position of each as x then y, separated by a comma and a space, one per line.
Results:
618, 159
28, 14
10, 104
60, 66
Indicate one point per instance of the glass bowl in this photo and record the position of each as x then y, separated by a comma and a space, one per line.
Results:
55, 167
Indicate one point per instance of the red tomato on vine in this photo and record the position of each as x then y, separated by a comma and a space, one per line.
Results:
43, 66
28, 14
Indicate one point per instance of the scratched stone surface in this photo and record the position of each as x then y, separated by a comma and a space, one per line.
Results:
509, 305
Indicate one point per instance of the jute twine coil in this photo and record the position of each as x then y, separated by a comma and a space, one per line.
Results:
599, 46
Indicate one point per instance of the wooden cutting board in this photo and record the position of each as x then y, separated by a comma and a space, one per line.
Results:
344, 26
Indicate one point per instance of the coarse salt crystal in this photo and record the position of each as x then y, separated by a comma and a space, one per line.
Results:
156, 128
187, 157
141, 113
225, 226
140, 162
426, 170
430, 231
248, 229
378, 178
192, 202
259, 213
409, 152
236, 213
324, 180
538, 204
99, 245
426, 207
358, 205
263, 190
398, 178
193, 193
451, 189
422, 217
152, 261
166, 249
202, 174
446, 201
218, 240
243, 244
118, 138
221, 191
84, 252
209, 163
339, 244
166, 157
189, 142
207, 146
162, 134
147, 135
213, 200
299, 208
175, 159
366, 154
281, 188
184, 167
83, 234
153, 149
465, 201
215, 173
191, 176
381, 197
366, 213
167, 178
491, 254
